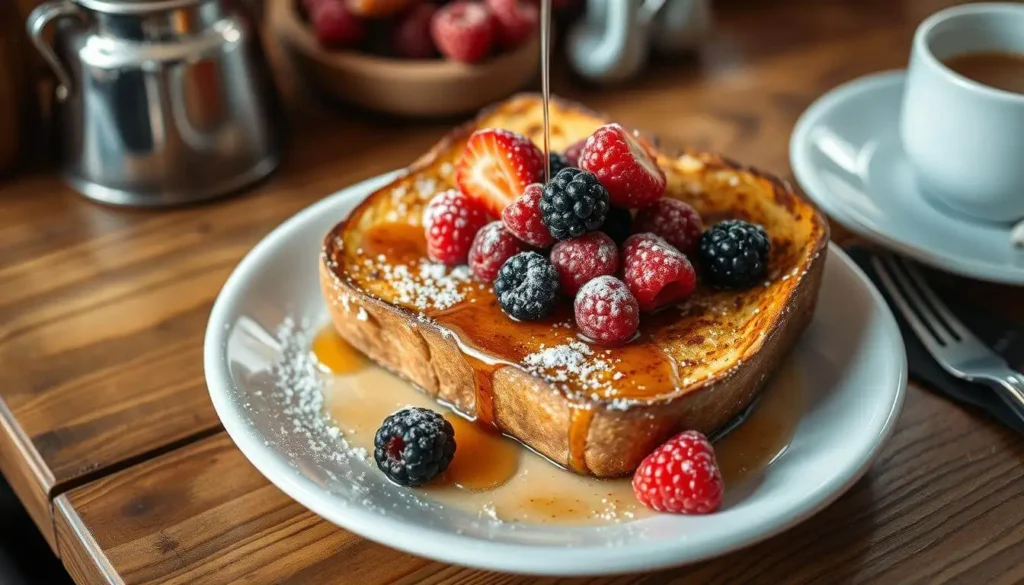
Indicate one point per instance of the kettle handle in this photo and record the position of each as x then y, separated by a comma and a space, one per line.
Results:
37, 21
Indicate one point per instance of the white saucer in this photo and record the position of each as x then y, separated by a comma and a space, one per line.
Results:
847, 156
851, 359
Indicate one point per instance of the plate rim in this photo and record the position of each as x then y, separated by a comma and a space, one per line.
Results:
799, 158
472, 552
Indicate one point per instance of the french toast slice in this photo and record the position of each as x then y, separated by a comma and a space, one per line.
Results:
592, 409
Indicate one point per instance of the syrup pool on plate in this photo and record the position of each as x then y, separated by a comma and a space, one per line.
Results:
495, 476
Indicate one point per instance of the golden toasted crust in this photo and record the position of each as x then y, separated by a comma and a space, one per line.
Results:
702, 364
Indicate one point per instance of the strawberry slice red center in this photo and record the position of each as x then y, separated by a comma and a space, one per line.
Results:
495, 179
496, 167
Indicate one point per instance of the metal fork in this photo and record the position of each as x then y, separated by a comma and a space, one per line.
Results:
956, 349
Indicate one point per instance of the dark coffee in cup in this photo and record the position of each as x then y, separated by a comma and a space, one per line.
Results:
962, 122
998, 69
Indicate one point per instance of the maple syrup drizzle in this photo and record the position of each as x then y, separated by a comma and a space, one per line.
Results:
767, 431
395, 241
363, 397
334, 354
579, 428
484, 459
492, 470
483, 378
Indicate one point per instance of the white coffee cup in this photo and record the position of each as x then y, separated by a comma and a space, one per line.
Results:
965, 140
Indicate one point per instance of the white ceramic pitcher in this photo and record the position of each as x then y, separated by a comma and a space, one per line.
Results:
612, 41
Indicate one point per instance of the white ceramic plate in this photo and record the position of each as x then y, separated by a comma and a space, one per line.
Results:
851, 359
847, 156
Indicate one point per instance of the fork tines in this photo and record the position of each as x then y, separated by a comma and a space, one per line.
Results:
933, 322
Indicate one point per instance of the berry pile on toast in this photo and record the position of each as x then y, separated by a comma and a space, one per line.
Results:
407, 277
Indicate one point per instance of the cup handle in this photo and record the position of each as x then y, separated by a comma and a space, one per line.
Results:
37, 21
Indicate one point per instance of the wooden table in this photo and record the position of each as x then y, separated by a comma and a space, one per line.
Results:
110, 440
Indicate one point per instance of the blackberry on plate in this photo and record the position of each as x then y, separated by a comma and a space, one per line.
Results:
574, 203
734, 253
618, 225
527, 286
557, 163
413, 446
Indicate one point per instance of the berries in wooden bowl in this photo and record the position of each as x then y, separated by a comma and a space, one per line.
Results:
413, 57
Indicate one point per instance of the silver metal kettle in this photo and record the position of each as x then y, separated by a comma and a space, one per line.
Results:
160, 102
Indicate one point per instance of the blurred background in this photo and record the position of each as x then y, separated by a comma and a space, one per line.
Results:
252, 92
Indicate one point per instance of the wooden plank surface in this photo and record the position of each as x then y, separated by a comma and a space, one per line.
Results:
102, 310
943, 503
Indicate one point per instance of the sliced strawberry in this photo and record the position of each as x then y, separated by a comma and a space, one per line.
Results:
496, 167
624, 166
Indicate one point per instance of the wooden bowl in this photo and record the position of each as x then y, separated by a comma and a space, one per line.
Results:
421, 88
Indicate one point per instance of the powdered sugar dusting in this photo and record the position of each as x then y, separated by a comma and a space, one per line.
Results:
298, 388
425, 285
573, 364
294, 418
490, 235
608, 288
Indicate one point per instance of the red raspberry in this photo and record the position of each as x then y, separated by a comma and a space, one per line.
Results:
522, 217
451, 221
681, 476
673, 220
582, 259
516, 20
496, 166
624, 166
492, 245
334, 25
572, 154
463, 31
657, 273
606, 311
411, 36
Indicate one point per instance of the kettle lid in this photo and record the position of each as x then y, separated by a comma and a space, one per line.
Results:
134, 6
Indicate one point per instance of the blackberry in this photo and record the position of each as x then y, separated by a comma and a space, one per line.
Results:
527, 286
734, 253
557, 163
574, 203
413, 446
618, 225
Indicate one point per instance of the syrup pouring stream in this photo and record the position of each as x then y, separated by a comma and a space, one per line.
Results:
545, 88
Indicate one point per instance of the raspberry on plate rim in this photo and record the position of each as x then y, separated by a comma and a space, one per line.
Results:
680, 477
